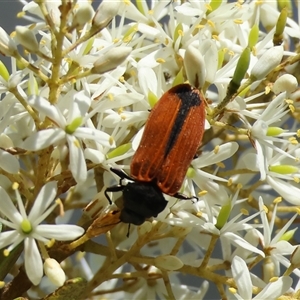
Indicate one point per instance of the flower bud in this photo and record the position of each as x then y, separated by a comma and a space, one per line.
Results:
223, 215
106, 11
3, 71
54, 272
283, 169
253, 36
194, 67
285, 83
119, 151
27, 39
288, 235
168, 262
214, 4
241, 67
274, 131
111, 60
7, 45
267, 62
83, 15
280, 25
285, 4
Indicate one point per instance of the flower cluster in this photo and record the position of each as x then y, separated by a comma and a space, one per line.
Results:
74, 102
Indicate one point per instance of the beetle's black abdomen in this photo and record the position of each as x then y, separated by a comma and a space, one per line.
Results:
141, 201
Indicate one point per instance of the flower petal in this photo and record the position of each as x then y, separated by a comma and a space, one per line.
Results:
8, 162
242, 277
43, 139
275, 289
43, 106
240, 242
33, 261
8, 209
60, 232
9, 237
79, 107
225, 151
43, 200
95, 135
77, 161
148, 80
286, 190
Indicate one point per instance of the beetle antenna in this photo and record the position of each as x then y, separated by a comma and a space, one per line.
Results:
128, 231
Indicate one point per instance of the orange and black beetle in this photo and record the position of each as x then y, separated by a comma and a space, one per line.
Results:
172, 135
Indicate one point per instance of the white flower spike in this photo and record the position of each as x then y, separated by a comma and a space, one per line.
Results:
27, 228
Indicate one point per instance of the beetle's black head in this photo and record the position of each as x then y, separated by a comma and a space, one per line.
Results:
142, 200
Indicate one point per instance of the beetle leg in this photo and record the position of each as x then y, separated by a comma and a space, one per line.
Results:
121, 174
184, 197
114, 188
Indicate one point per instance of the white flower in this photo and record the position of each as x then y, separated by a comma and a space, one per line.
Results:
7, 45
264, 142
54, 272
219, 154
276, 247
52, 8
230, 232
242, 277
27, 228
69, 129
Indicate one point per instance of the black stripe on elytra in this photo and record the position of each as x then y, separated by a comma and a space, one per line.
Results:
189, 98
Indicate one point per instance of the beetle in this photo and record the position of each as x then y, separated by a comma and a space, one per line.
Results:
172, 135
